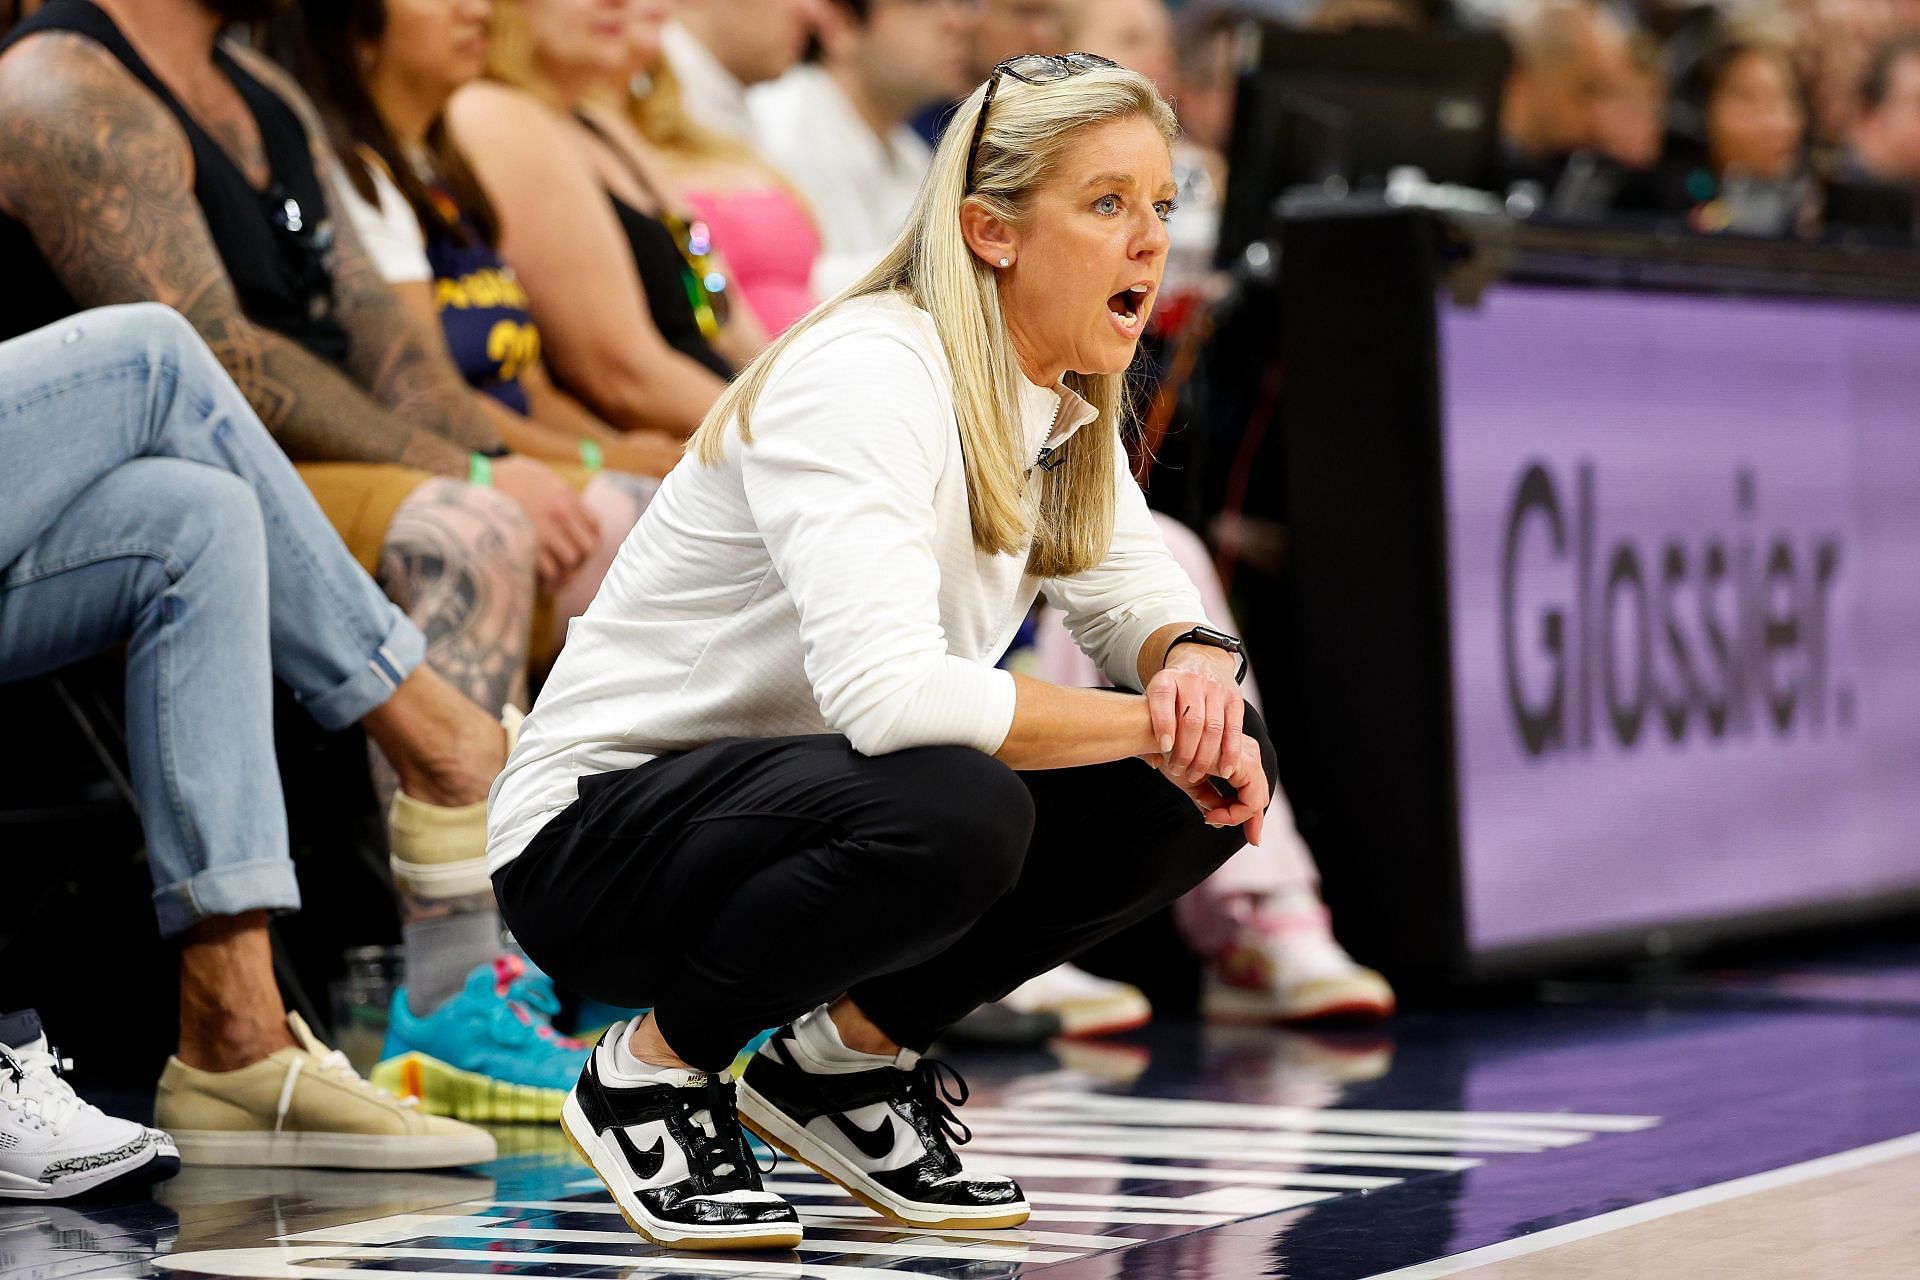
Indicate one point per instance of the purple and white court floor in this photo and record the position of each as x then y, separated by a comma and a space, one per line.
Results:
1755, 1124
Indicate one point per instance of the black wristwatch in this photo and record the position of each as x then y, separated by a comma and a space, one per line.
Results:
1219, 640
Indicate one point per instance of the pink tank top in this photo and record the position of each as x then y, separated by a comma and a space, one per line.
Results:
770, 243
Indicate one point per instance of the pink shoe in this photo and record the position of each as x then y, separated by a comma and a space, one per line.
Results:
1283, 965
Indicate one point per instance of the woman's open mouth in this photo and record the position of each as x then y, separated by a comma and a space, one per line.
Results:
1129, 309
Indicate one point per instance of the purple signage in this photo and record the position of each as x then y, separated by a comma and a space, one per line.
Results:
1684, 569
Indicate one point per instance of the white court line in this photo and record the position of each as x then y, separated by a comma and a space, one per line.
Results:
1047, 1167
1241, 1202
1229, 1115
1653, 1210
1151, 1146
1066, 1131
925, 1245
1316, 1118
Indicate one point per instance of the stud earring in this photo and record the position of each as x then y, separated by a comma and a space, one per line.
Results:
1006, 262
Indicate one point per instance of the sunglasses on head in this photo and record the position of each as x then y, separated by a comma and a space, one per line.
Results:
1029, 68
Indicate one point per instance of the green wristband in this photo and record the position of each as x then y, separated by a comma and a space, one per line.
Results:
591, 455
480, 470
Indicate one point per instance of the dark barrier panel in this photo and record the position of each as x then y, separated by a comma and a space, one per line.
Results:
1605, 594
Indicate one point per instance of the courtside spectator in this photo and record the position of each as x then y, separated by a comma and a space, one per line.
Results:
751, 208
1550, 105
380, 75
1630, 124
634, 310
163, 517
719, 49
119, 187
1006, 29
1885, 144
1743, 164
838, 126
1009, 28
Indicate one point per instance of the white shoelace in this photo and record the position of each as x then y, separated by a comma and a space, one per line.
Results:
334, 1064
30, 1083
704, 1118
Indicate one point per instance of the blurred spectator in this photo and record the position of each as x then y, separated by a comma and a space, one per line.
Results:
1006, 29
1737, 156
1885, 143
1347, 15
719, 49
839, 125
1134, 33
200, 169
624, 288
771, 241
1754, 117
1009, 28
1630, 122
380, 73
1553, 97
1204, 80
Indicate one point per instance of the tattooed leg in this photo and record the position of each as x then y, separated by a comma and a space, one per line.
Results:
616, 501
459, 560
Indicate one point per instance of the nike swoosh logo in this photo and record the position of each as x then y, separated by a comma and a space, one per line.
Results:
874, 1144
645, 1164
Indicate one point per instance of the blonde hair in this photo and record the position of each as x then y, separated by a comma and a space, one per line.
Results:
661, 116
1029, 133
510, 51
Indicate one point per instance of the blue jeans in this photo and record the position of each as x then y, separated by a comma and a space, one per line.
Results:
146, 504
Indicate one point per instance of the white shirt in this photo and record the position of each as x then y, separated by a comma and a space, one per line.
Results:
712, 95
861, 186
824, 579
390, 231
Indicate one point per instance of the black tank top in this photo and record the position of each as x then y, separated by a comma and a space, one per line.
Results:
277, 245
662, 271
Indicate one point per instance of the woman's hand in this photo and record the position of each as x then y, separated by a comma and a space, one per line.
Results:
1242, 802
564, 531
1196, 712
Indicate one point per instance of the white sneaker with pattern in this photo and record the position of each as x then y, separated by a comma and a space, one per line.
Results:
53, 1143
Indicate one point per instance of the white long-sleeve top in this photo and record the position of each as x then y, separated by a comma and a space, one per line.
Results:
824, 579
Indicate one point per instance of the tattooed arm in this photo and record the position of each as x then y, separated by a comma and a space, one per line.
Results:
415, 379
102, 176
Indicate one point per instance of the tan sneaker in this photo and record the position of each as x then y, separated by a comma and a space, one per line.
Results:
440, 851
305, 1107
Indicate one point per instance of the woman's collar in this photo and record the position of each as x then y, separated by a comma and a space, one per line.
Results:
1050, 415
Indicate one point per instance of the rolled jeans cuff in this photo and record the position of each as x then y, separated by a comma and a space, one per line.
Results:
266, 884
391, 661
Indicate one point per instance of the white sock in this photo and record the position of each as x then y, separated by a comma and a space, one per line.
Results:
821, 1049
618, 1065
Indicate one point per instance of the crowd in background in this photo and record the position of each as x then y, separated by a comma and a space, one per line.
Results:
481, 266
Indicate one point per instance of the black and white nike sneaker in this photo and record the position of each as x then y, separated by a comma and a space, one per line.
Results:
883, 1133
675, 1158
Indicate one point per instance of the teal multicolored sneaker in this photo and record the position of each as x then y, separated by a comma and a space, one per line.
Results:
489, 1055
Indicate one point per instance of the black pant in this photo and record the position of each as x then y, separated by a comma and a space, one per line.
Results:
734, 887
